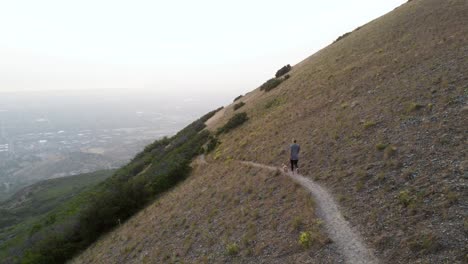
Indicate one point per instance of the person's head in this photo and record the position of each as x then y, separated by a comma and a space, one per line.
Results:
294, 141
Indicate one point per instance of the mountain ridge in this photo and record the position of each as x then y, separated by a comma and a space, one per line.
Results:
380, 118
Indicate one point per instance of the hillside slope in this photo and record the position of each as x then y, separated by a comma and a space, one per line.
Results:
225, 212
380, 118
29, 206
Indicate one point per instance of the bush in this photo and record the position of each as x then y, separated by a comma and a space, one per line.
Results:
213, 142
273, 103
414, 106
210, 114
342, 37
404, 198
238, 97
305, 239
232, 249
381, 146
270, 84
238, 105
283, 71
369, 124
235, 121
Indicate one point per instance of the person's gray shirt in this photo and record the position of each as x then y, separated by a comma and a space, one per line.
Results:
295, 148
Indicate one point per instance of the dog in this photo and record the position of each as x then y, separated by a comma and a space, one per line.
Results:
285, 168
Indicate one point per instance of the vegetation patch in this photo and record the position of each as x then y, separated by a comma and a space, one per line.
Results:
232, 249
305, 239
238, 97
369, 124
270, 84
235, 121
238, 105
213, 142
404, 198
342, 37
381, 146
345, 35
285, 69
414, 107
273, 103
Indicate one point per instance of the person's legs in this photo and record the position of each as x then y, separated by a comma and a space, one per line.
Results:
295, 164
292, 165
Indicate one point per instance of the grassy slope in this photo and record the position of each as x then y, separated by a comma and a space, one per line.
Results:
29, 205
43, 195
398, 81
81, 220
220, 204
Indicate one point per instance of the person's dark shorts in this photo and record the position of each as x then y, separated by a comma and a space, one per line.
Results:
294, 164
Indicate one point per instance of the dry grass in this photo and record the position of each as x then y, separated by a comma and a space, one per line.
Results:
225, 212
389, 100
400, 81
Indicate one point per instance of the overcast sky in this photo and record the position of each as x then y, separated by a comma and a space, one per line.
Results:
186, 46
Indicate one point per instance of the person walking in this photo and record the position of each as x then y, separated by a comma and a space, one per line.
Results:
294, 156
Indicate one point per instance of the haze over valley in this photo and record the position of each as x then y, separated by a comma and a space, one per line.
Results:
57, 133
243, 132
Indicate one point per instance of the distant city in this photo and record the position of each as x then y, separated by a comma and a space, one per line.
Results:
57, 134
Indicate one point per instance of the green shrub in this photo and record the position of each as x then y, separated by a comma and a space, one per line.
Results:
369, 124
213, 142
273, 103
414, 106
235, 121
270, 84
305, 239
342, 37
283, 71
238, 97
238, 105
232, 249
404, 198
381, 146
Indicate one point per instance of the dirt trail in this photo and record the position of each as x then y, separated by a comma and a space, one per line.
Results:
348, 241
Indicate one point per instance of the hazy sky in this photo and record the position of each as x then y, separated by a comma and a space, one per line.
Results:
170, 46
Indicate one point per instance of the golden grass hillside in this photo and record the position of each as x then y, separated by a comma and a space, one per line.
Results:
380, 115
225, 212
381, 118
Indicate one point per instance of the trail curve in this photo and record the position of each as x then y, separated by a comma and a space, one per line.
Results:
348, 241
